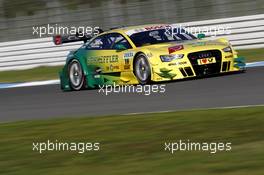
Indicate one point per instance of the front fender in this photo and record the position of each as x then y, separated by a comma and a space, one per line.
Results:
64, 75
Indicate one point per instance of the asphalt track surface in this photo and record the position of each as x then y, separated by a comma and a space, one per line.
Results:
49, 101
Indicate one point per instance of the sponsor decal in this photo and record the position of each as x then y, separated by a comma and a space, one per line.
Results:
157, 27
138, 30
178, 63
229, 56
112, 67
199, 44
127, 66
182, 63
148, 28
126, 61
103, 59
206, 61
175, 48
128, 55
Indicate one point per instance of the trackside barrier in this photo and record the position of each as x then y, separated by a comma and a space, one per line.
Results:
246, 32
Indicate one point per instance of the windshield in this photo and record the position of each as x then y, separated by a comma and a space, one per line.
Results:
160, 36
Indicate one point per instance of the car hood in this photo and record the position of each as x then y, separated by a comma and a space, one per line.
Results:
190, 45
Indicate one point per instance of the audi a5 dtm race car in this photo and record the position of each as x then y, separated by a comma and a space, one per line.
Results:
141, 54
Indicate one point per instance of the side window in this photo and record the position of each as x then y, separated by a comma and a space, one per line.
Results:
118, 40
110, 41
99, 43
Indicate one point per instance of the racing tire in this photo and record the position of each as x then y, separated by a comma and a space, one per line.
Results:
76, 75
142, 69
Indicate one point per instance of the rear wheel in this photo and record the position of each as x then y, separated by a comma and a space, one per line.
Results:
142, 69
76, 75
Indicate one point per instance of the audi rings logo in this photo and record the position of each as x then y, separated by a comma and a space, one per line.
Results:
205, 55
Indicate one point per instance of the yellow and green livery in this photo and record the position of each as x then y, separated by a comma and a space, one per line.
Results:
144, 54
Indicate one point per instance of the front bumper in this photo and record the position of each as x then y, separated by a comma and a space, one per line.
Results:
240, 63
175, 71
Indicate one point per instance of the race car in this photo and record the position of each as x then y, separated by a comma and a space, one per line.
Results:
144, 54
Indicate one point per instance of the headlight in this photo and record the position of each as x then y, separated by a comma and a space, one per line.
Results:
168, 58
227, 49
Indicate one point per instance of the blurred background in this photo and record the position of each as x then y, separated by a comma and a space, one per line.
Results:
18, 17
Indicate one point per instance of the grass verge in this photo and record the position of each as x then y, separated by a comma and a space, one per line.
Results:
252, 55
35, 74
48, 73
135, 144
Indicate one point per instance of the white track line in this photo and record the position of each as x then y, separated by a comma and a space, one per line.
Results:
255, 64
195, 109
37, 83
27, 84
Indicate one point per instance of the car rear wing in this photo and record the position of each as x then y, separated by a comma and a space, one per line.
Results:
61, 39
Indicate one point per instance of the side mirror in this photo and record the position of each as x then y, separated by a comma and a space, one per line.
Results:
201, 35
120, 47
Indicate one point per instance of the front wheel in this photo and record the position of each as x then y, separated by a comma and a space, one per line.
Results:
142, 69
76, 75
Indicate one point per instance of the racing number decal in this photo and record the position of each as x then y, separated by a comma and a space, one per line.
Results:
127, 59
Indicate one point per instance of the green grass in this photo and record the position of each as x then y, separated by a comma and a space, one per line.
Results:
252, 55
48, 73
135, 144
36, 74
